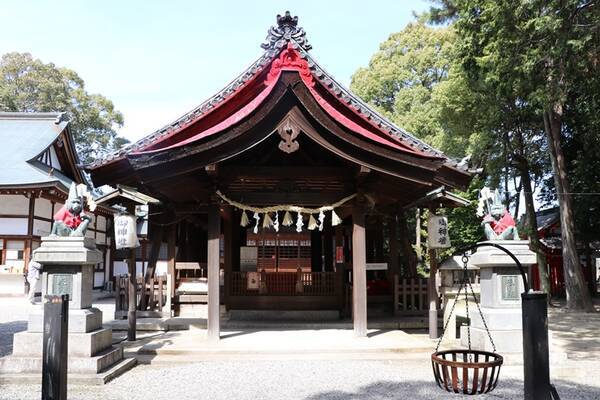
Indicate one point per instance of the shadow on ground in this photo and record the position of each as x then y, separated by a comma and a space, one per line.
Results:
7, 333
424, 390
579, 340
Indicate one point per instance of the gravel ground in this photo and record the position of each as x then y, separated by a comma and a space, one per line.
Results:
290, 380
13, 318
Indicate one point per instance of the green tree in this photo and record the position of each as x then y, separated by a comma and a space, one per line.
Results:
29, 85
417, 79
410, 78
535, 52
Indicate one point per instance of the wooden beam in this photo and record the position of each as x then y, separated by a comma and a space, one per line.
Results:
359, 272
214, 233
284, 172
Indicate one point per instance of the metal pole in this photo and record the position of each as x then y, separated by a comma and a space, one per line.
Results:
55, 345
536, 363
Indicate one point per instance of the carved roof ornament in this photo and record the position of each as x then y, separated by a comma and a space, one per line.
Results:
287, 29
288, 132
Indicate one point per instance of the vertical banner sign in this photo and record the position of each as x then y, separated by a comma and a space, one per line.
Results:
437, 232
339, 254
125, 232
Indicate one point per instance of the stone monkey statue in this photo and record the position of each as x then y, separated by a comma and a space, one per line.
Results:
70, 219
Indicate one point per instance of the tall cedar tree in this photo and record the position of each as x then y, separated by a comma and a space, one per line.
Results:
538, 50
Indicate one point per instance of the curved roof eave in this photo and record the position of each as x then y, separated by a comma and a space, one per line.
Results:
276, 42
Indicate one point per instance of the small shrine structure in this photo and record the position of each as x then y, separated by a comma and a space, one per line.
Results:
281, 181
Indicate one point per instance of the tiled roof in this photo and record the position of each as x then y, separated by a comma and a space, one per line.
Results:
24, 136
277, 39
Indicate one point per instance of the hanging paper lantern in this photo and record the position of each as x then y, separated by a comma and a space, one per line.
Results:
276, 222
244, 222
312, 223
321, 219
287, 219
335, 219
299, 223
267, 221
256, 216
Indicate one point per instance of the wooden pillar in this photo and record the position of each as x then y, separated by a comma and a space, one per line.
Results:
378, 240
214, 232
316, 251
359, 272
340, 272
393, 258
132, 296
228, 250
328, 247
171, 256
410, 258
28, 242
152, 260
432, 292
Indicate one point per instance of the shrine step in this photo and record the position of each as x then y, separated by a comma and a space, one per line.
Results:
292, 315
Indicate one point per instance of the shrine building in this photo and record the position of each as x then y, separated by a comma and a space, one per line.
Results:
39, 164
283, 189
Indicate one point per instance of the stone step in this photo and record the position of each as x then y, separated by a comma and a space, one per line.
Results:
73, 378
15, 364
178, 359
182, 323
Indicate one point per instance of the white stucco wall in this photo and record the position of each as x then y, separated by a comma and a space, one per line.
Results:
14, 204
43, 208
13, 226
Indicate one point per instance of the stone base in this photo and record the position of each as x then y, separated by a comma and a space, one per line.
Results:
16, 364
506, 341
80, 321
74, 378
497, 319
80, 344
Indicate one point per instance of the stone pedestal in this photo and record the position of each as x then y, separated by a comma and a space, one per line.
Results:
68, 265
501, 288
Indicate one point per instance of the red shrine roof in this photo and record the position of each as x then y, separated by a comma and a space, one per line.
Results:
286, 49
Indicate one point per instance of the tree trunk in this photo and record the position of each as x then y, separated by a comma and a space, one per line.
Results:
578, 297
534, 237
518, 189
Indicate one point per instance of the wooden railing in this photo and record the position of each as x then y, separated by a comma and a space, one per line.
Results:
410, 295
284, 283
157, 292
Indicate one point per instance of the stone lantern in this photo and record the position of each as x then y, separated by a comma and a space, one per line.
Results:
451, 275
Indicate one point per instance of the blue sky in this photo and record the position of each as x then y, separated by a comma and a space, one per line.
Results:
157, 60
